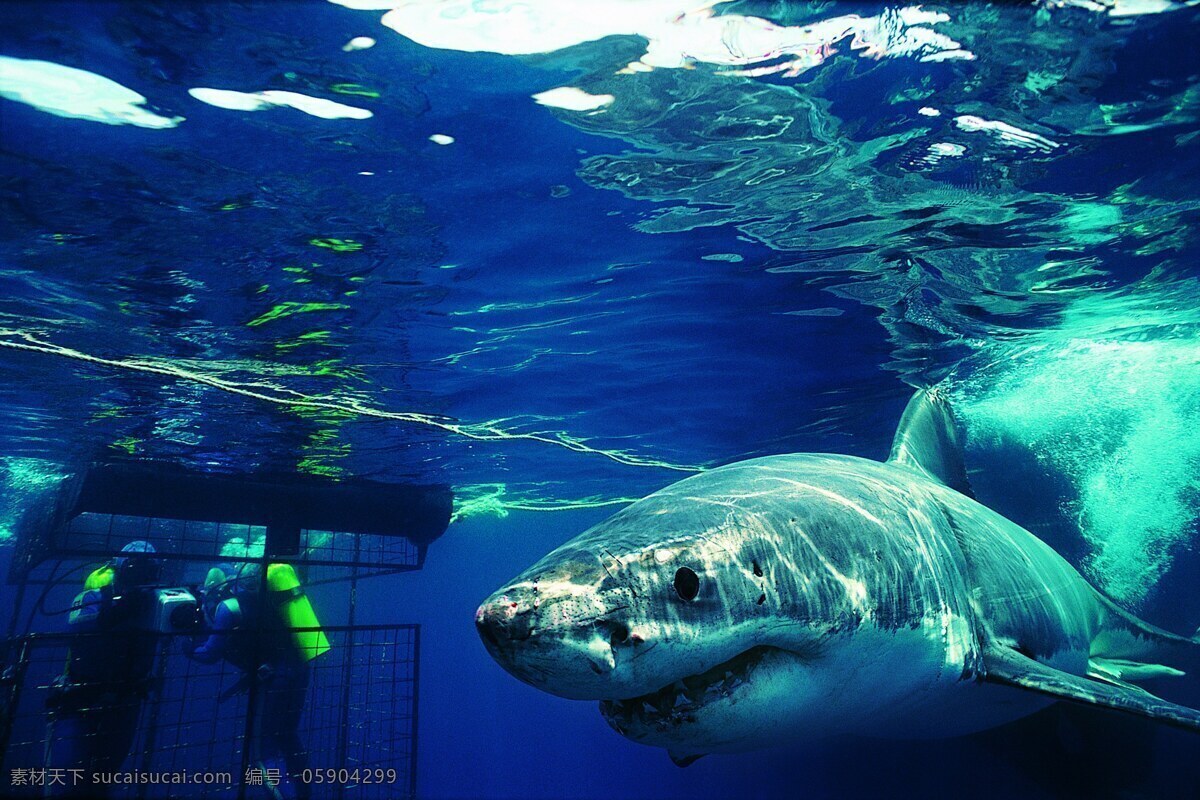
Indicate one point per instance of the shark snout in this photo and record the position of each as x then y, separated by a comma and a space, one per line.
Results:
559, 635
506, 618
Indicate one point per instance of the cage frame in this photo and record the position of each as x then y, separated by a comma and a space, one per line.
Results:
13, 688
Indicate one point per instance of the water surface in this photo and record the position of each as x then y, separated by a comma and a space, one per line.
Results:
561, 254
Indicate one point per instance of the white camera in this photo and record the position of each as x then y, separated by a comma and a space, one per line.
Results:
175, 611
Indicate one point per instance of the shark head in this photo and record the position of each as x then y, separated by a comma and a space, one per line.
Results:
777, 598
670, 614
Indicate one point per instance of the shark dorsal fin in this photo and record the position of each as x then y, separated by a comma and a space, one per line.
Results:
928, 440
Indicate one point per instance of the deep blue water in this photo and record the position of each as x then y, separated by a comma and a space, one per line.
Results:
562, 309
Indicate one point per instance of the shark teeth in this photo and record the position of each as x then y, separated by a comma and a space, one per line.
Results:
678, 701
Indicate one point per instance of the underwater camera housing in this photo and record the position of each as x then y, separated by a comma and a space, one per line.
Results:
175, 610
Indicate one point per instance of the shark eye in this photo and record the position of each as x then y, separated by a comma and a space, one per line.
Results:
687, 584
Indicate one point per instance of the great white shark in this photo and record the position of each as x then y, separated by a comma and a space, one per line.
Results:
810, 595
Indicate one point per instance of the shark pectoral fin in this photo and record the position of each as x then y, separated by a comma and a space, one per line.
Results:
1010, 668
684, 761
928, 440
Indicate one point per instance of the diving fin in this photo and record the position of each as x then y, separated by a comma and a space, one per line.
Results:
1004, 666
928, 440
242, 684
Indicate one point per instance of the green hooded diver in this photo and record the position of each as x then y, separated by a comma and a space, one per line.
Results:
808, 595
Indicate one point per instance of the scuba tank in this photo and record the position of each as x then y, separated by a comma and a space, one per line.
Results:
97, 591
296, 610
99, 578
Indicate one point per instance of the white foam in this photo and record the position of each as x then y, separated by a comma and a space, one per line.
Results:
1123, 8
366, 5
572, 99
947, 149
359, 43
1009, 134
678, 32
939, 150
257, 101
76, 94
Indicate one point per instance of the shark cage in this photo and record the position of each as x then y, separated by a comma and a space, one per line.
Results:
183, 634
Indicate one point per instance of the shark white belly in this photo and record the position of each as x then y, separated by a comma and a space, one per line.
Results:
810, 595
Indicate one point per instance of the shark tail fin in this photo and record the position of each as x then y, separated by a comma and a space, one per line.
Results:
928, 440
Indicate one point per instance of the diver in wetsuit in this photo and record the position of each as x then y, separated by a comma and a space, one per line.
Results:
94, 705
255, 631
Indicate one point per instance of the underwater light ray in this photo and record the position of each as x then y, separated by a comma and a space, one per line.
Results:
489, 501
289, 397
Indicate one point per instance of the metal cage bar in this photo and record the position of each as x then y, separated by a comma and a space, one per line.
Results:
192, 515
358, 743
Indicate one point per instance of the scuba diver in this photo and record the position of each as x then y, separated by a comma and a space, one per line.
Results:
266, 627
94, 705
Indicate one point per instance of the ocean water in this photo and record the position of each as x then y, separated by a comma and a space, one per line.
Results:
558, 255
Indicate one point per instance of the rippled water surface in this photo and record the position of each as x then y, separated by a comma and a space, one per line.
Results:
560, 254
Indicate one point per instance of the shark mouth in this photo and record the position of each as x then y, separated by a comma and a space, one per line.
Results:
678, 702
